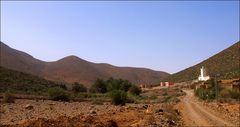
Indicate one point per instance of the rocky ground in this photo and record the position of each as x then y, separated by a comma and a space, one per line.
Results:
162, 107
228, 111
45, 113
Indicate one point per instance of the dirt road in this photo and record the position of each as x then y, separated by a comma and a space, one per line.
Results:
194, 114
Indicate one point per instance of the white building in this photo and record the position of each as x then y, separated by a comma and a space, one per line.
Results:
203, 75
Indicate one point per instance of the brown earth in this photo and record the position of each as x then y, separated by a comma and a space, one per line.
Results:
49, 113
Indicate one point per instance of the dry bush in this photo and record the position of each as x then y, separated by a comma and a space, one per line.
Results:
170, 113
8, 98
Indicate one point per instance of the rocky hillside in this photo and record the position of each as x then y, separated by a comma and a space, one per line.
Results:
226, 63
14, 81
73, 69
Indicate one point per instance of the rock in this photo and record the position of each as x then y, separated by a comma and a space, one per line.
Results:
92, 112
148, 111
171, 122
159, 111
121, 109
111, 123
29, 107
145, 106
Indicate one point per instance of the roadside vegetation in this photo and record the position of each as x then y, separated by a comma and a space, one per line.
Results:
210, 92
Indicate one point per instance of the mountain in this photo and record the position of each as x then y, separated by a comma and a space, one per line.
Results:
73, 69
20, 61
226, 63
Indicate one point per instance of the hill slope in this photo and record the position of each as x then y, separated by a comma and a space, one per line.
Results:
226, 63
74, 69
25, 83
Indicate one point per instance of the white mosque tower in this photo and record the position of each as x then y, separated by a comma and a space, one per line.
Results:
203, 76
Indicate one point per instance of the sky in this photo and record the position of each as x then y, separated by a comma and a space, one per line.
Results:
161, 35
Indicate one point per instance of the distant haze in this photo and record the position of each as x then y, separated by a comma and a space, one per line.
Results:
161, 35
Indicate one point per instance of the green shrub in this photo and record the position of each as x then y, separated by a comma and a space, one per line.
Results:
135, 90
205, 94
235, 94
8, 98
58, 94
118, 97
78, 88
224, 93
131, 98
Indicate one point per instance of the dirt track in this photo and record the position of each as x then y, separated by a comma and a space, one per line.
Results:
194, 114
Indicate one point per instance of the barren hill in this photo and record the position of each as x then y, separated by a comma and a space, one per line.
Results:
226, 63
74, 69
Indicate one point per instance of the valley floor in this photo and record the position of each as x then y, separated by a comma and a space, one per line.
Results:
49, 113
188, 112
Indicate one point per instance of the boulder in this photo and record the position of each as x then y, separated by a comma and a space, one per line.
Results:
28, 106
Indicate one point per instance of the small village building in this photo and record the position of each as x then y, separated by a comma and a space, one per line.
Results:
166, 84
161, 84
230, 84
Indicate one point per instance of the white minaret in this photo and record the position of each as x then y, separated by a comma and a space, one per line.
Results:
202, 72
203, 76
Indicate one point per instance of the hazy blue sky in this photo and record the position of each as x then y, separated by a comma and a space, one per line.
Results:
160, 35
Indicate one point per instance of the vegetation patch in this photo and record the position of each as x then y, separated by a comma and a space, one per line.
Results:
118, 97
211, 92
58, 94
76, 88
22, 83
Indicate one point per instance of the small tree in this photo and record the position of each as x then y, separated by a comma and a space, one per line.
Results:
118, 97
78, 88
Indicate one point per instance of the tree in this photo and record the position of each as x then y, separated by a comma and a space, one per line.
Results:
78, 88
99, 87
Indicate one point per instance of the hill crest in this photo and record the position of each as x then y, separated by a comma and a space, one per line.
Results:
74, 69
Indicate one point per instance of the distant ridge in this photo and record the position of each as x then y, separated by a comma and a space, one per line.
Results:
73, 69
226, 63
